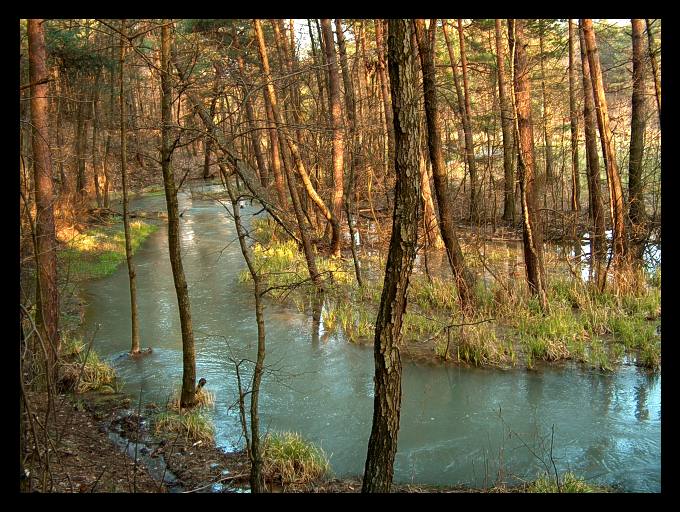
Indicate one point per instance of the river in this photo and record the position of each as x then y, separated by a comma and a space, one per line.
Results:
458, 425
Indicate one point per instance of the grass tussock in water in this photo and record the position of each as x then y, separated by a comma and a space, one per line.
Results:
599, 330
204, 399
191, 424
98, 251
82, 370
291, 460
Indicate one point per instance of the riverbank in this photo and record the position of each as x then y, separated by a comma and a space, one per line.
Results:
585, 327
103, 444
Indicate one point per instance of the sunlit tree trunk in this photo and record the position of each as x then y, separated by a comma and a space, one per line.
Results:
47, 292
467, 128
188, 397
507, 129
338, 147
385, 95
465, 281
355, 144
532, 232
80, 146
573, 119
593, 170
95, 145
382, 444
546, 108
607, 139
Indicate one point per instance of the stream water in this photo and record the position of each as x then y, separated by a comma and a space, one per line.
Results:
458, 425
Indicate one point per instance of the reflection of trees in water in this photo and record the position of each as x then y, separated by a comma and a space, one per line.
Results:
645, 383
641, 410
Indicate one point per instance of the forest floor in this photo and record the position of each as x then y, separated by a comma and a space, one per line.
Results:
85, 458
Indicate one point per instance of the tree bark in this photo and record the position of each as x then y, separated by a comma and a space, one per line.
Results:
257, 483
655, 66
467, 128
546, 109
81, 143
47, 292
593, 170
573, 118
508, 132
188, 397
636, 208
338, 147
382, 444
385, 95
607, 139
134, 349
465, 282
532, 232
355, 143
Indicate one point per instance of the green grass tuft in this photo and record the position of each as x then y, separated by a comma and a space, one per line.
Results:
193, 424
291, 460
93, 375
569, 483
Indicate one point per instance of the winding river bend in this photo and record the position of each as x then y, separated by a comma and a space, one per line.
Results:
458, 425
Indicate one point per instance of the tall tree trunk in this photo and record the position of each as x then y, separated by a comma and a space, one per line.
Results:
188, 398
546, 108
655, 66
336, 125
382, 444
81, 143
95, 146
385, 95
467, 128
636, 211
257, 483
317, 71
47, 292
593, 170
508, 132
573, 118
355, 143
208, 140
607, 139
532, 232
465, 282
275, 152
126, 217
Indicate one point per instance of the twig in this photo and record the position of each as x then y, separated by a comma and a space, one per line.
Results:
232, 477
557, 478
